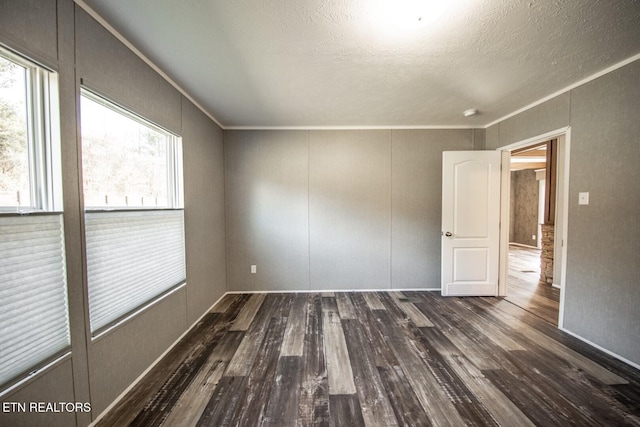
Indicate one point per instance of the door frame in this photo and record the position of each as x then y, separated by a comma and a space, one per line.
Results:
561, 217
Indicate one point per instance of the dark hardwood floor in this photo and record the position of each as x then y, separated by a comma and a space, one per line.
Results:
379, 359
524, 287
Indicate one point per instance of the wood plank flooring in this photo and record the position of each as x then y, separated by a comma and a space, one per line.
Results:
379, 359
524, 287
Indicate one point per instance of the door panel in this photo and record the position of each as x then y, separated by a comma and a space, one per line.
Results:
470, 264
470, 222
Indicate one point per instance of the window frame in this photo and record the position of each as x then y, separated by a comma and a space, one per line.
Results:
43, 137
44, 158
175, 192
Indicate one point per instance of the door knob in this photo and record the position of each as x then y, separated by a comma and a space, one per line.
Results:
448, 234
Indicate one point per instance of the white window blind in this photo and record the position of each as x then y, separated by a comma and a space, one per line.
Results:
132, 257
34, 323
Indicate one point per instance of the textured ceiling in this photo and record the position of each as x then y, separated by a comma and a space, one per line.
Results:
334, 63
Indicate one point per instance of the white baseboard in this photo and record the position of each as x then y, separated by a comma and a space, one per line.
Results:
555, 285
609, 352
320, 291
155, 362
523, 245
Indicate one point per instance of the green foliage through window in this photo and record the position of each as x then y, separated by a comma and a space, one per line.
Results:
14, 148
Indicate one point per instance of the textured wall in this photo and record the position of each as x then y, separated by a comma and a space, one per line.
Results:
524, 207
350, 209
117, 358
204, 216
109, 67
603, 273
552, 115
55, 386
65, 38
602, 292
336, 209
267, 205
36, 29
105, 64
30, 27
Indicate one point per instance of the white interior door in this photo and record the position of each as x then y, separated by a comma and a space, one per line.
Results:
470, 223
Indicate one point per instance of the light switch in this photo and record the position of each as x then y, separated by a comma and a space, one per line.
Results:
583, 198
254, 269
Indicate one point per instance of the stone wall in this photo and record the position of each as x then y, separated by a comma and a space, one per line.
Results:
546, 257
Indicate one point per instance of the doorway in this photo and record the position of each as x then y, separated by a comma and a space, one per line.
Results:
536, 244
531, 230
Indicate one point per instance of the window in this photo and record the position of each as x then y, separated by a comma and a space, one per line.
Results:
34, 321
127, 162
14, 182
134, 222
29, 137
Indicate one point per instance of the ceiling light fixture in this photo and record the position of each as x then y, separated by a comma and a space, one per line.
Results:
398, 15
470, 113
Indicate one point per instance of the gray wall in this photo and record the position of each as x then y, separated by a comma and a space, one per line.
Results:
524, 208
266, 199
350, 209
204, 216
31, 27
356, 209
417, 203
63, 37
602, 293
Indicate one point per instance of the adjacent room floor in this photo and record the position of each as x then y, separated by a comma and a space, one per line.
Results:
379, 359
524, 287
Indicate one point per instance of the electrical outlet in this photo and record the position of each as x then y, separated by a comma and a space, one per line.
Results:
533, 237
254, 269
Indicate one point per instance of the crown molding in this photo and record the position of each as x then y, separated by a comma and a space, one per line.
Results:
137, 52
